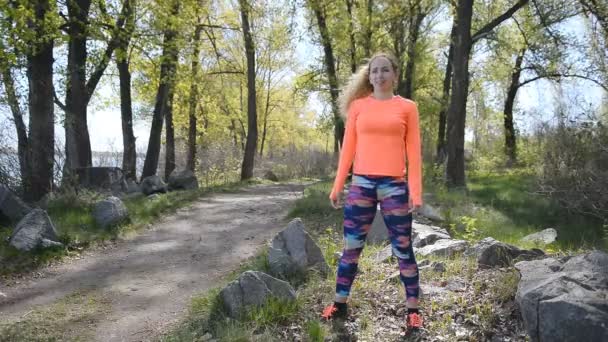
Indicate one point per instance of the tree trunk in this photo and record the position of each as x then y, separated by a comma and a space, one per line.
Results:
458, 100
129, 154
456, 116
331, 73
414, 32
445, 98
169, 58
252, 122
510, 138
77, 141
41, 106
351, 34
22, 140
196, 51
367, 42
169, 134
267, 107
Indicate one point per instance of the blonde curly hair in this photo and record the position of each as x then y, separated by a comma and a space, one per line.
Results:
358, 84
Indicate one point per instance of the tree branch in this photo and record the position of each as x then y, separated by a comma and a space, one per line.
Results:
560, 75
491, 25
58, 102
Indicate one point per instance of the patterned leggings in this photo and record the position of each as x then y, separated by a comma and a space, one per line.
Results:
359, 212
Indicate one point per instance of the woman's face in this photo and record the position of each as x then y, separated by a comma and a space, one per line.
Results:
381, 74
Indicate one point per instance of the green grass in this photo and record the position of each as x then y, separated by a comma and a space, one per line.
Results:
504, 206
72, 217
68, 319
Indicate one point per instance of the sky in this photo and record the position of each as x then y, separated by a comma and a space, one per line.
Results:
538, 98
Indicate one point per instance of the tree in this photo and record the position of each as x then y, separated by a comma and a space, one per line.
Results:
252, 125
456, 116
167, 73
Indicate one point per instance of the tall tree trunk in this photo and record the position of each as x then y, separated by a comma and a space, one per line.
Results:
445, 99
455, 175
196, 51
367, 41
252, 121
510, 138
414, 31
129, 154
351, 34
22, 140
458, 99
169, 58
41, 107
267, 107
169, 134
330, 68
77, 141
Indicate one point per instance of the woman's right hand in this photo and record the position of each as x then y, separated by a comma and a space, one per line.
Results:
336, 200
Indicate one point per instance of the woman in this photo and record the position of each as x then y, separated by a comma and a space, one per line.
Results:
382, 133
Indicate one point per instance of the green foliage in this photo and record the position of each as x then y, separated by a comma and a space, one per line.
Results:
315, 331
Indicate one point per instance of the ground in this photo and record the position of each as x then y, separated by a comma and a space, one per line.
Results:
136, 289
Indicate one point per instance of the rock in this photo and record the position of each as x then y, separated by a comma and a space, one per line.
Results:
430, 212
12, 206
154, 197
294, 251
32, 230
110, 212
565, 300
443, 247
153, 184
545, 236
425, 262
271, 176
183, 180
423, 235
438, 267
394, 278
253, 289
131, 186
101, 178
492, 253
384, 255
378, 233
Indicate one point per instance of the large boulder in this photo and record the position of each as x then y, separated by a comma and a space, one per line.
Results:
378, 233
430, 212
493, 253
11, 206
253, 289
101, 178
423, 235
153, 184
545, 237
33, 231
271, 176
182, 180
565, 300
109, 212
443, 247
294, 251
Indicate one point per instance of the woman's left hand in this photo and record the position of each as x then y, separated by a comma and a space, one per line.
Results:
412, 207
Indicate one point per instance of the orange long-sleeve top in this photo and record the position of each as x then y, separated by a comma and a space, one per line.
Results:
380, 136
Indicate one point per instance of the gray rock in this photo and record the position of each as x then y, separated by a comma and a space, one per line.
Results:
182, 180
438, 267
153, 184
492, 253
109, 212
378, 233
294, 251
545, 236
384, 255
443, 247
423, 235
565, 300
12, 206
271, 176
131, 187
34, 230
430, 212
253, 289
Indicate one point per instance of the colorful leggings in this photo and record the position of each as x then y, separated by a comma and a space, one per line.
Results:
359, 212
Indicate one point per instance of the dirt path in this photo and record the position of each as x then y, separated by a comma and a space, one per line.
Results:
148, 281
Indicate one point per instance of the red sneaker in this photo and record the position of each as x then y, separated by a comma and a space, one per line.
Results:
414, 321
333, 311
